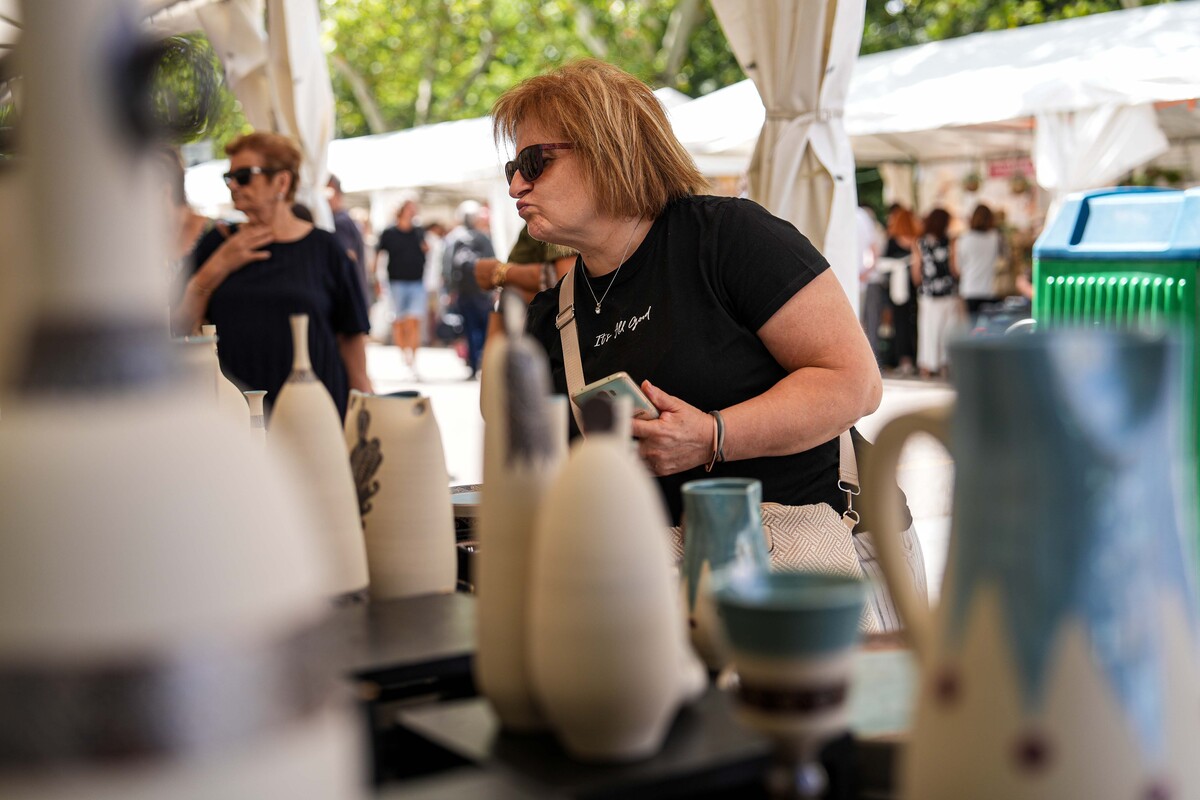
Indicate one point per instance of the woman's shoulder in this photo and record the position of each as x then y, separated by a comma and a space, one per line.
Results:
716, 207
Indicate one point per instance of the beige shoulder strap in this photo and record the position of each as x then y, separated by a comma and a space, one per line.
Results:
565, 322
848, 477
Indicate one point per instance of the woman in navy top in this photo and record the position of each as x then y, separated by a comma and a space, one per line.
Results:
248, 279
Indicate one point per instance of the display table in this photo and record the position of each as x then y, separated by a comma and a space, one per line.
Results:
410, 661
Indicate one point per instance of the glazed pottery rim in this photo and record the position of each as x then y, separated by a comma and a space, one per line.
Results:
723, 485
790, 591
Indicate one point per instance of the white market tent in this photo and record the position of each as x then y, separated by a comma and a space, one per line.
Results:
460, 156
971, 98
984, 95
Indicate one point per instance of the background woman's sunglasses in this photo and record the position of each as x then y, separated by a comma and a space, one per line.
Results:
532, 160
243, 175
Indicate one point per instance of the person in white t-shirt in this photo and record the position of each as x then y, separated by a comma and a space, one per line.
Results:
977, 251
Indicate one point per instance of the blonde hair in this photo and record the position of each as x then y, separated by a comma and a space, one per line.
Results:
630, 157
279, 153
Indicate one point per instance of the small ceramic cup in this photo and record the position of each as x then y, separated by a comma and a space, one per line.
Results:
792, 637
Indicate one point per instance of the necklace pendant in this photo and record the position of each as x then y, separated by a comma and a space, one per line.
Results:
597, 308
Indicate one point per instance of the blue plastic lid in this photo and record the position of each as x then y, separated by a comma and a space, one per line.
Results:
1126, 223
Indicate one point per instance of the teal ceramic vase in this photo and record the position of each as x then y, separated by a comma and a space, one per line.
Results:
722, 525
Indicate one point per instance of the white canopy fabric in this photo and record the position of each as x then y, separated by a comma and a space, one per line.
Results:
235, 30
302, 95
972, 97
1091, 148
800, 56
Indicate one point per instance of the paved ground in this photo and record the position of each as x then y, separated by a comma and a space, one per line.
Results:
926, 473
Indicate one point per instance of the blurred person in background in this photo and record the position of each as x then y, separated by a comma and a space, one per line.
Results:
185, 226
939, 309
249, 279
465, 246
872, 280
532, 267
346, 231
406, 248
435, 289
902, 232
977, 251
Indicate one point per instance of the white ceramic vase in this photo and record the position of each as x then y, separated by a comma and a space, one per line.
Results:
608, 651
306, 430
522, 453
228, 396
403, 494
258, 417
159, 589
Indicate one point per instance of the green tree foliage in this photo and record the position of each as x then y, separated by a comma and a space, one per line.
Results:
900, 23
398, 63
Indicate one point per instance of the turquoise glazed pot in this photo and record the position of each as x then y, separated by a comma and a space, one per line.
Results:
722, 522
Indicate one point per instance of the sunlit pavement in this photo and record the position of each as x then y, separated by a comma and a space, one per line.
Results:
926, 472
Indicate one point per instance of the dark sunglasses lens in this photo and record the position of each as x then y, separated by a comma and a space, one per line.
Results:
510, 170
530, 162
242, 176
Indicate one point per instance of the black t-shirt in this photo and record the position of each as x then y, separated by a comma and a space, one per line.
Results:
684, 313
936, 278
251, 308
406, 259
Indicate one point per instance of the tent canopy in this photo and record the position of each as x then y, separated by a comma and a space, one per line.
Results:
974, 96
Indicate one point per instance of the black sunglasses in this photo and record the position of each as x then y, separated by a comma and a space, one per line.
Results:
243, 175
532, 160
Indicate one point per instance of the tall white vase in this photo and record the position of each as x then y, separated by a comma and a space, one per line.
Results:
228, 396
521, 457
305, 428
159, 591
403, 494
608, 651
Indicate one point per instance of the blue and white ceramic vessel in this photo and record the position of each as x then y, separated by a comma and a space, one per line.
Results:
1062, 660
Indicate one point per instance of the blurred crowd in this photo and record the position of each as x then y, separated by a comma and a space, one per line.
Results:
924, 280
428, 281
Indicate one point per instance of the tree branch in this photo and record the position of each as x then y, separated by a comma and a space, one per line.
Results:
584, 24
362, 95
682, 22
485, 58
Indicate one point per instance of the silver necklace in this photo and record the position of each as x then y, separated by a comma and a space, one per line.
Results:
588, 280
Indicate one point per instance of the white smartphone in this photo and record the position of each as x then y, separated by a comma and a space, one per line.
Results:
619, 384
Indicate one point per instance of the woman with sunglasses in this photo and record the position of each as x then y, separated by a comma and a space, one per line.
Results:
248, 279
726, 315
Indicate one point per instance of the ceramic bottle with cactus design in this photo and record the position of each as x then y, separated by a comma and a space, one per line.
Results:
402, 491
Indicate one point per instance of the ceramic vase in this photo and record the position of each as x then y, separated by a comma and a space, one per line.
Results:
159, 590
1062, 660
608, 653
521, 457
258, 417
306, 430
228, 396
403, 494
722, 525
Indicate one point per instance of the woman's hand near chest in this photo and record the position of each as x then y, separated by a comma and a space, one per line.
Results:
681, 437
